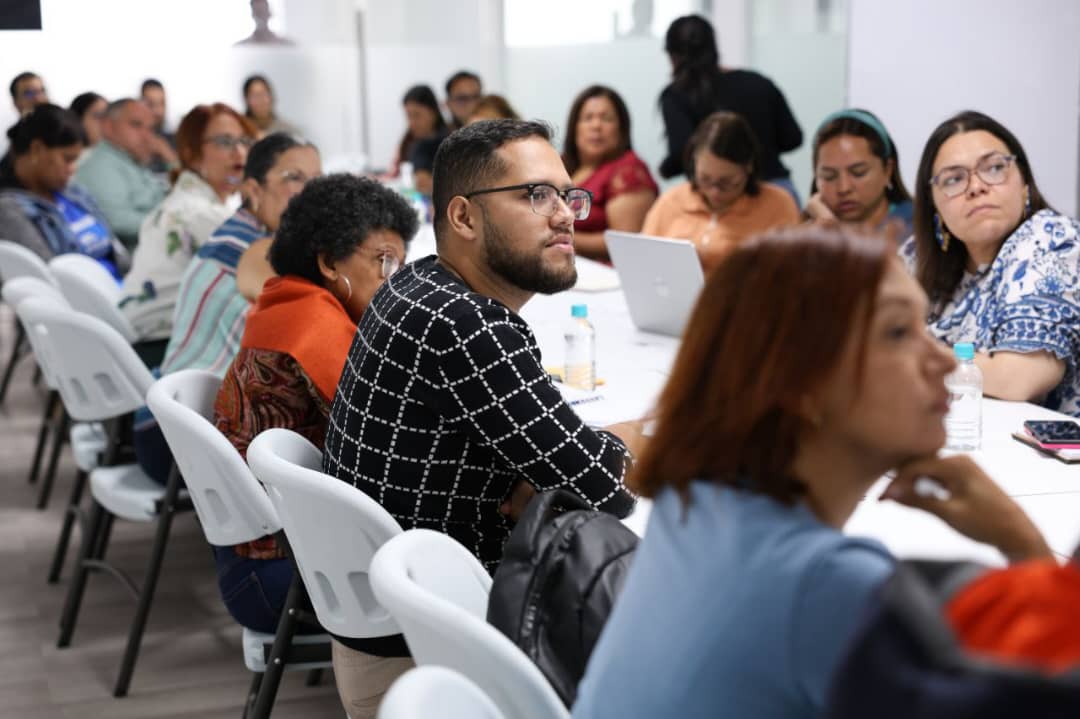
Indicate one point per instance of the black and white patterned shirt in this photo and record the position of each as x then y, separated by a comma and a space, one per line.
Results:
443, 405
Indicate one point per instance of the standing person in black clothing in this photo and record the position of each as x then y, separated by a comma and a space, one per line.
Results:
444, 414
700, 86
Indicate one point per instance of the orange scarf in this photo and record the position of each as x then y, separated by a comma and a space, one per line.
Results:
1024, 614
298, 318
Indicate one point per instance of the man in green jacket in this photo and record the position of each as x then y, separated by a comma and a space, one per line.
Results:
115, 171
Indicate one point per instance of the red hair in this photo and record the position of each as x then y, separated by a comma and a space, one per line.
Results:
189, 136
771, 325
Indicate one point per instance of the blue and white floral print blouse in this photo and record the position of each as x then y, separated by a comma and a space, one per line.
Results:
1026, 300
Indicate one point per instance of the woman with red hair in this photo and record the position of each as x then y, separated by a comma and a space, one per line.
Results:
212, 143
805, 373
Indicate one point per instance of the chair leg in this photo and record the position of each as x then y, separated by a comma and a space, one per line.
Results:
146, 595
275, 665
59, 440
252, 695
70, 516
78, 584
16, 350
43, 433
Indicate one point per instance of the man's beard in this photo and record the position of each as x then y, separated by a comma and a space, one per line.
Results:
525, 271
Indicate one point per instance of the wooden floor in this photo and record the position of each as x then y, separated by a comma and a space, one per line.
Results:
190, 664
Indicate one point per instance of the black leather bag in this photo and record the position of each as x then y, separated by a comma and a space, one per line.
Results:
561, 571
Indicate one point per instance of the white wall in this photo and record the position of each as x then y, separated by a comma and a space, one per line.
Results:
189, 47
413, 42
917, 62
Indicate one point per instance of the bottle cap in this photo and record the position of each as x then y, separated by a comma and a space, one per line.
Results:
579, 311
964, 350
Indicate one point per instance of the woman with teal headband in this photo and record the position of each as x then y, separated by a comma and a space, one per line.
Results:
857, 173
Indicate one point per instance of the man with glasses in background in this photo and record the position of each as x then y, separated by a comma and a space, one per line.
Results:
444, 413
463, 91
27, 92
116, 173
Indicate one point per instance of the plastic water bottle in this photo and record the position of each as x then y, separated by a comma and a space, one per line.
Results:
579, 365
963, 423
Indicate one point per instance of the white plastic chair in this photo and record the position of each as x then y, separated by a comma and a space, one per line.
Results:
433, 691
92, 289
87, 438
17, 261
231, 504
438, 592
321, 515
99, 378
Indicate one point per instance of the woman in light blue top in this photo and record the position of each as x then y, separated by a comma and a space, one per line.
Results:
805, 373
1001, 267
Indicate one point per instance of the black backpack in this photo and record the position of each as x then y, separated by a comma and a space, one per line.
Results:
562, 568
905, 661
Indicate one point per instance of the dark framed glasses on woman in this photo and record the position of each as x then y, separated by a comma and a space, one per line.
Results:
545, 198
992, 169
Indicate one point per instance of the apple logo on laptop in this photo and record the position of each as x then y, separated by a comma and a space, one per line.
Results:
661, 287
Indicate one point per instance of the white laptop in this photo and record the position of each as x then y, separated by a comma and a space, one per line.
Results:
660, 278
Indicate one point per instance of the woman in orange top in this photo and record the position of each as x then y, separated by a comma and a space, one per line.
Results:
725, 200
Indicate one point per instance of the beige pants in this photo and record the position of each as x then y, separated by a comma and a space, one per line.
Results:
362, 679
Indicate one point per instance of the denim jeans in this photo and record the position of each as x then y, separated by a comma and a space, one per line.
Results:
253, 590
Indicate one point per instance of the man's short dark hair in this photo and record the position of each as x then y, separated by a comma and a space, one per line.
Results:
462, 75
149, 83
467, 161
331, 217
19, 78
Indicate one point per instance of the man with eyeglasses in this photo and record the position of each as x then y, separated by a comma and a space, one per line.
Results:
27, 92
444, 413
116, 173
463, 91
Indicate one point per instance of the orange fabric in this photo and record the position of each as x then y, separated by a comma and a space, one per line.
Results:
1025, 614
681, 213
306, 322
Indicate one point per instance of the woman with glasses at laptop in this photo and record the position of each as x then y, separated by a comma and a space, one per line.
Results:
857, 173
1001, 267
599, 158
338, 240
805, 374
725, 200
212, 143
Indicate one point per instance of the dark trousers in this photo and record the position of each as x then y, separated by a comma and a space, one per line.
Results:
253, 590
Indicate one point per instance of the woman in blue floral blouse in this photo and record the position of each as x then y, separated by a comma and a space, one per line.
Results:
1001, 267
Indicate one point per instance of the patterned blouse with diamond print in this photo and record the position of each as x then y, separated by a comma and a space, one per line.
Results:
1026, 300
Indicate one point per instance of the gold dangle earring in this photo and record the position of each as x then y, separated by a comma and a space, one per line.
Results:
940, 233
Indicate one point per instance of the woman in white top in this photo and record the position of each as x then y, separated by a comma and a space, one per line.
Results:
212, 143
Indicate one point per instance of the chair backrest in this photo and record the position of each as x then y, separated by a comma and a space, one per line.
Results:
19, 288
89, 286
96, 371
18, 261
22, 288
334, 531
433, 691
231, 504
437, 590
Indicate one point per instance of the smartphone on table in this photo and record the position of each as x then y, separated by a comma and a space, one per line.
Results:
1054, 434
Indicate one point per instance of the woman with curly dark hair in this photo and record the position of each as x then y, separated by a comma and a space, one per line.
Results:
336, 243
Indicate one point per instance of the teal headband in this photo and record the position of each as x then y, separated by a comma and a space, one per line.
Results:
865, 118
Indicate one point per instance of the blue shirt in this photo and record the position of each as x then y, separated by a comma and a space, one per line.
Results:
735, 606
91, 235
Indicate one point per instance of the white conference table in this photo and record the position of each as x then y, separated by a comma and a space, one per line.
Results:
635, 365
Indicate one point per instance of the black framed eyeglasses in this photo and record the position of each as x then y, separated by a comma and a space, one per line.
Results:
228, 142
545, 198
992, 169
